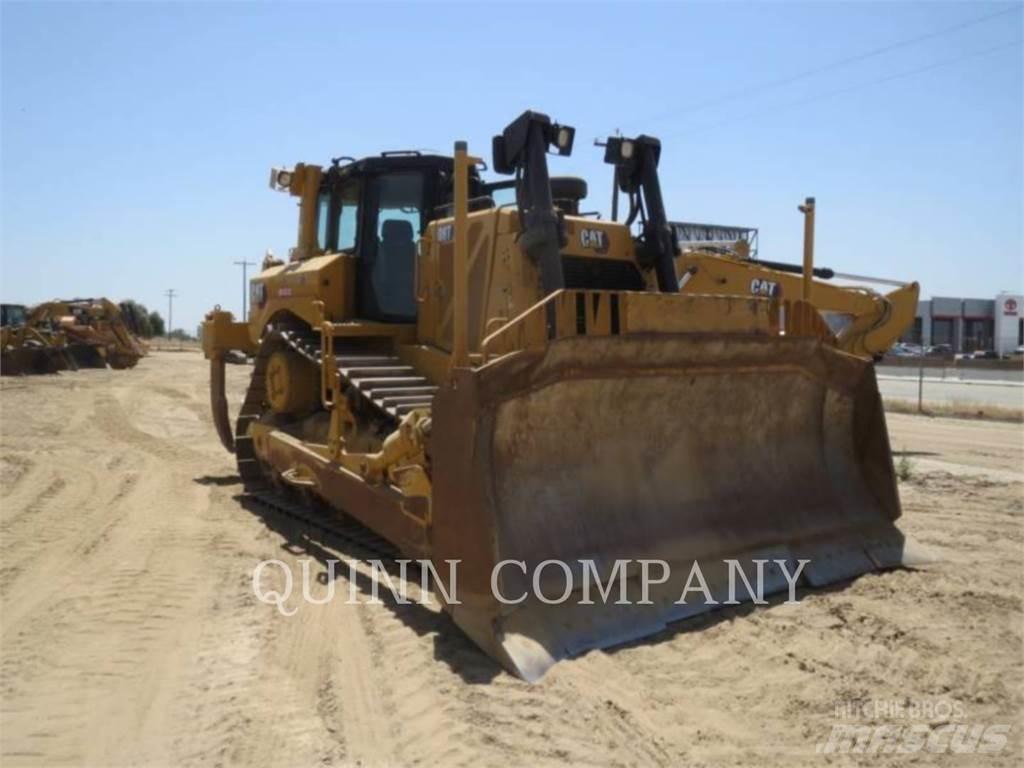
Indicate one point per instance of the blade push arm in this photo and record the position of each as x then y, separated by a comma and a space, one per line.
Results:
522, 149
636, 172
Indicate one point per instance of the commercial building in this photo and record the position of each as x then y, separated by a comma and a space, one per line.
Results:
970, 325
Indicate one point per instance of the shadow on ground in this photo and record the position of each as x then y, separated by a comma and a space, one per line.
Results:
352, 541
217, 480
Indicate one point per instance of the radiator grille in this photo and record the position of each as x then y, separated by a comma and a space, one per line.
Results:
601, 274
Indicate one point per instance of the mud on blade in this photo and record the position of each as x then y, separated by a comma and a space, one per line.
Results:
684, 448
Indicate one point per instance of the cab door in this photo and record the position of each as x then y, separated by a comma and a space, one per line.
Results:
386, 275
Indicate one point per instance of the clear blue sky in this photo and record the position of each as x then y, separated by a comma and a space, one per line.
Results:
137, 138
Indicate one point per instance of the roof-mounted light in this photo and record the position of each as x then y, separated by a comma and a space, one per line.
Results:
564, 135
280, 179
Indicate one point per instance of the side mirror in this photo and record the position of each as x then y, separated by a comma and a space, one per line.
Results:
500, 162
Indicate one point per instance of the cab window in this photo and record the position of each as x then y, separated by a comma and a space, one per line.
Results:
323, 218
389, 269
348, 216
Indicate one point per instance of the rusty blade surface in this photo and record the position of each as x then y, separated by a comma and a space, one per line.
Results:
683, 448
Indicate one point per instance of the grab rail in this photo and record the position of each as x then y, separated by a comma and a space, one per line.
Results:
582, 312
577, 312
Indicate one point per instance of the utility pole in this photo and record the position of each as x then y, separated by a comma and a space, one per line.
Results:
170, 294
245, 286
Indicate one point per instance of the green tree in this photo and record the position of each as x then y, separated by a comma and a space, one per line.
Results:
136, 317
156, 323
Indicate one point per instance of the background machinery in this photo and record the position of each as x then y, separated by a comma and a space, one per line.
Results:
96, 333
516, 384
27, 350
719, 259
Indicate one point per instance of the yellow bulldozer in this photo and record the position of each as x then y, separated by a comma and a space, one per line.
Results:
523, 390
29, 350
722, 260
95, 331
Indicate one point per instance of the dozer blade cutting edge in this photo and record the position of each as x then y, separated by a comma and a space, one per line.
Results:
678, 448
30, 360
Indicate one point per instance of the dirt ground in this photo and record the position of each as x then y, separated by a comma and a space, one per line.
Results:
131, 633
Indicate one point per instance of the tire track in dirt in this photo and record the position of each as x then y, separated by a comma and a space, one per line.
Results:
84, 655
195, 406
410, 689
366, 701
112, 420
108, 631
34, 506
107, 602
404, 674
38, 521
103, 615
126, 484
217, 692
605, 693
241, 702
44, 540
377, 693
13, 469
434, 682
352, 683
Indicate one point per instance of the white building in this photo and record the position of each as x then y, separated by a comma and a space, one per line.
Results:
970, 325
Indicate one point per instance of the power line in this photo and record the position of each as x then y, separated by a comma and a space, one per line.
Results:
858, 86
771, 84
170, 293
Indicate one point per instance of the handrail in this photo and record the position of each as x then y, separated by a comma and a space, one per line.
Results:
583, 312
577, 312
516, 321
463, 162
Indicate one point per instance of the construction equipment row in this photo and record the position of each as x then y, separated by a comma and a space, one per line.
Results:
66, 335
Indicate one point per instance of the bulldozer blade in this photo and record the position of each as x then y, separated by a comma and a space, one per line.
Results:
66, 361
30, 360
86, 355
604, 452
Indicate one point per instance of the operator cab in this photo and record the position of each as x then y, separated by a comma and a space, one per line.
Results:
377, 208
13, 315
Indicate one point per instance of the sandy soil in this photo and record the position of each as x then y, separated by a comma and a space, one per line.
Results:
131, 634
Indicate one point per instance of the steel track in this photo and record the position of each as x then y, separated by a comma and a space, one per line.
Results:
261, 488
319, 518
